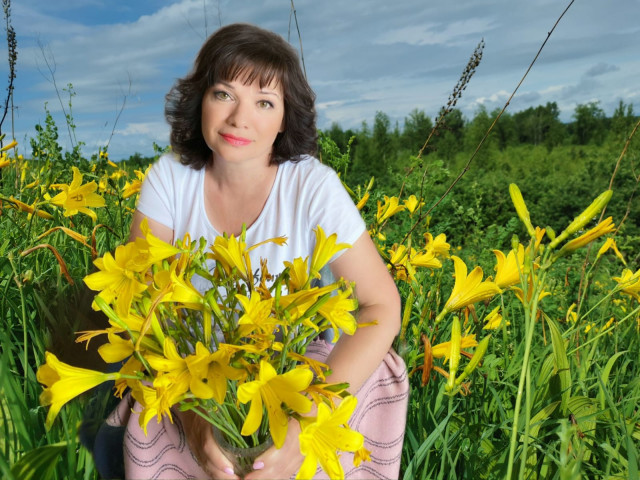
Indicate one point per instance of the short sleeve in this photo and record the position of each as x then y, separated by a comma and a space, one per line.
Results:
333, 209
157, 191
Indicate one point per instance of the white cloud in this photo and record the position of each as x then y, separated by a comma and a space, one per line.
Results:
157, 130
436, 33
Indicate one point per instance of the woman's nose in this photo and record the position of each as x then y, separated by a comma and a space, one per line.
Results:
239, 115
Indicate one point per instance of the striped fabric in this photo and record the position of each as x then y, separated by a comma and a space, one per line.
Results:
380, 417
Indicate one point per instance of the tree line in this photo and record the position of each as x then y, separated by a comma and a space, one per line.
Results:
375, 148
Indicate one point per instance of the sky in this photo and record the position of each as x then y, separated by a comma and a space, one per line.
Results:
361, 57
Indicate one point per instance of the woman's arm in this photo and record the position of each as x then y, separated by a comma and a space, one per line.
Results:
354, 357
158, 230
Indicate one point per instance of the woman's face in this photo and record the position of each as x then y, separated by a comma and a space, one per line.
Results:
240, 122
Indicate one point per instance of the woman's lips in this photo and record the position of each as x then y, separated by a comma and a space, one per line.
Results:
235, 141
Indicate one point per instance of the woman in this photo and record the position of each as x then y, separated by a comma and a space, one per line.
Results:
243, 135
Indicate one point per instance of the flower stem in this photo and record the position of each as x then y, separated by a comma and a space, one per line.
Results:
530, 312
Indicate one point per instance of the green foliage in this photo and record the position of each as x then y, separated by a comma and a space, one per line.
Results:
580, 415
589, 124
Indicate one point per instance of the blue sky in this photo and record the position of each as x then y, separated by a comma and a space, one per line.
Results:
361, 56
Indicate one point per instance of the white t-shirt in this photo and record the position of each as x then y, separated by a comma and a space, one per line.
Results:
304, 194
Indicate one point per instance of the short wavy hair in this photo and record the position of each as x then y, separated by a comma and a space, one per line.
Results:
246, 52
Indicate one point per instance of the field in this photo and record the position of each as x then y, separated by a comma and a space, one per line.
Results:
522, 365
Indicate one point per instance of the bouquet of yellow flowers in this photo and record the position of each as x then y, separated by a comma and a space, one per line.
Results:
230, 354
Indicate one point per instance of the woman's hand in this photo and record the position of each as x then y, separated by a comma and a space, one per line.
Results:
204, 447
280, 463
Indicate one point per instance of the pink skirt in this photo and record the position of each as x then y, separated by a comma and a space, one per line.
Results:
380, 416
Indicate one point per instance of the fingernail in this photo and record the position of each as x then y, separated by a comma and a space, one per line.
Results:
229, 470
258, 465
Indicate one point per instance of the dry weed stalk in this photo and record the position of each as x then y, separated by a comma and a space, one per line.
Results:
424, 215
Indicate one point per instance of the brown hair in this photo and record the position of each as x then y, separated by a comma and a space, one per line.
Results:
249, 53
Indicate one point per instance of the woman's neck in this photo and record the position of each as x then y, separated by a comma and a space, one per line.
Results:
236, 193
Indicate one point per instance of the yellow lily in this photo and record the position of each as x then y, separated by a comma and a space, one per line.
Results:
117, 349
467, 289
610, 244
604, 227
363, 201
173, 287
296, 304
171, 362
298, 273
317, 366
454, 351
29, 209
231, 253
76, 197
412, 204
443, 350
324, 249
388, 209
64, 382
320, 440
151, 248
115, 280
273, 390
131, 368
158, 399
630, 283
73, 234
585, 217
337, 311
257, 314
133, 187
425, 259
210, 371
399, 262
509, 267
493, 320
438, 245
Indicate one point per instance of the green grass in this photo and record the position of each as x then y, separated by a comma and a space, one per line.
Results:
574, 393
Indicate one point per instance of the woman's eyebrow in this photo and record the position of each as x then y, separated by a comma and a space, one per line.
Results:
269, 92
226, 84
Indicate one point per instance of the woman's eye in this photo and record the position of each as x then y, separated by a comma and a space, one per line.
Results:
265, 104
221, 95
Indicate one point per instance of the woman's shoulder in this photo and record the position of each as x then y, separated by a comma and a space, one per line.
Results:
170, 162
308, 170
168, 169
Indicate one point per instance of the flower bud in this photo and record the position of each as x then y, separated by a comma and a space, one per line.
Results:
515, 242
454, 360
585, 217
550, 233
521, 208
9, 146
481, 349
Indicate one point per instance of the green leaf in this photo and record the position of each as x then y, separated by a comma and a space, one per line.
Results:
561, 362
534, 428
421, 452
39, 463
585, 411
604, 376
